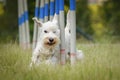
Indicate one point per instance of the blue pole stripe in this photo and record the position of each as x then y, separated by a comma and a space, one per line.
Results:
61, 5
37, 12
23, 18
52, 8
41, 16
57, 7
20, 20
46, 9
72, 5
26, 15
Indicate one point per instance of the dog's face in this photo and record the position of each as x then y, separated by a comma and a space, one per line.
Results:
50, 33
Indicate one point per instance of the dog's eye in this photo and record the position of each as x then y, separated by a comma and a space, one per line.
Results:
54, 31
45, 31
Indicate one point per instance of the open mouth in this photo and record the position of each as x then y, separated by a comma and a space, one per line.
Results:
50, 43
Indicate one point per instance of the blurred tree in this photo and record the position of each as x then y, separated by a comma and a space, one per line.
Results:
8, 26
1, 9
31, 9
83, 14
110, 14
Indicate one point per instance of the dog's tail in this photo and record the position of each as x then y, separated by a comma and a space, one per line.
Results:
68, 20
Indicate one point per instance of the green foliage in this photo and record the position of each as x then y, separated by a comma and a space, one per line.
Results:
110, 14
101, 62
1, 9
9, 22
96, 24
83, 14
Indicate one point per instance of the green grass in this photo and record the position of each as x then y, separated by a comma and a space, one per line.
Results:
101, 62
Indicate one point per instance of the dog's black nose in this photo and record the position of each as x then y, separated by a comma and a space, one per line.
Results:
51, 39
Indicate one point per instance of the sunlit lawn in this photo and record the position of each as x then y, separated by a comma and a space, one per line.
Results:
101, 62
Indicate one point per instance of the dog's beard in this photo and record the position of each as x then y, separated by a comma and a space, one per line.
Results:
48, 44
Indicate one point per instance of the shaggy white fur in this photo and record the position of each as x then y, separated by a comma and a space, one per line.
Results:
47, 48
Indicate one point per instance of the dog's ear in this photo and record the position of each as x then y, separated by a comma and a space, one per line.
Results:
55, 19
39, 23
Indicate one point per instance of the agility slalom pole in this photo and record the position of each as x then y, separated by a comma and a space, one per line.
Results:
19, 23
23, 26
57, 9
52, 9
57, 15
26, 24
41, 11
62, 31
41, 17
73, 32
35, 32
23, 44
46, 11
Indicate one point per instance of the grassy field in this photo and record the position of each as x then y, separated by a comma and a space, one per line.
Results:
101, 62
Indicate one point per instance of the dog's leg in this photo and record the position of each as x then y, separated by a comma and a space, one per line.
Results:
35, 58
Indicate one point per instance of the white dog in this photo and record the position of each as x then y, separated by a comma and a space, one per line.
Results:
47, 48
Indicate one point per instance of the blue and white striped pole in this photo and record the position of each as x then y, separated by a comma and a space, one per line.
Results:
19, 23
24, 38
52, 9
73, 31
41, 16
27, 33
46, 11
57, 9
35, 32
41, 11
22, 25
62, 30
57, 15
